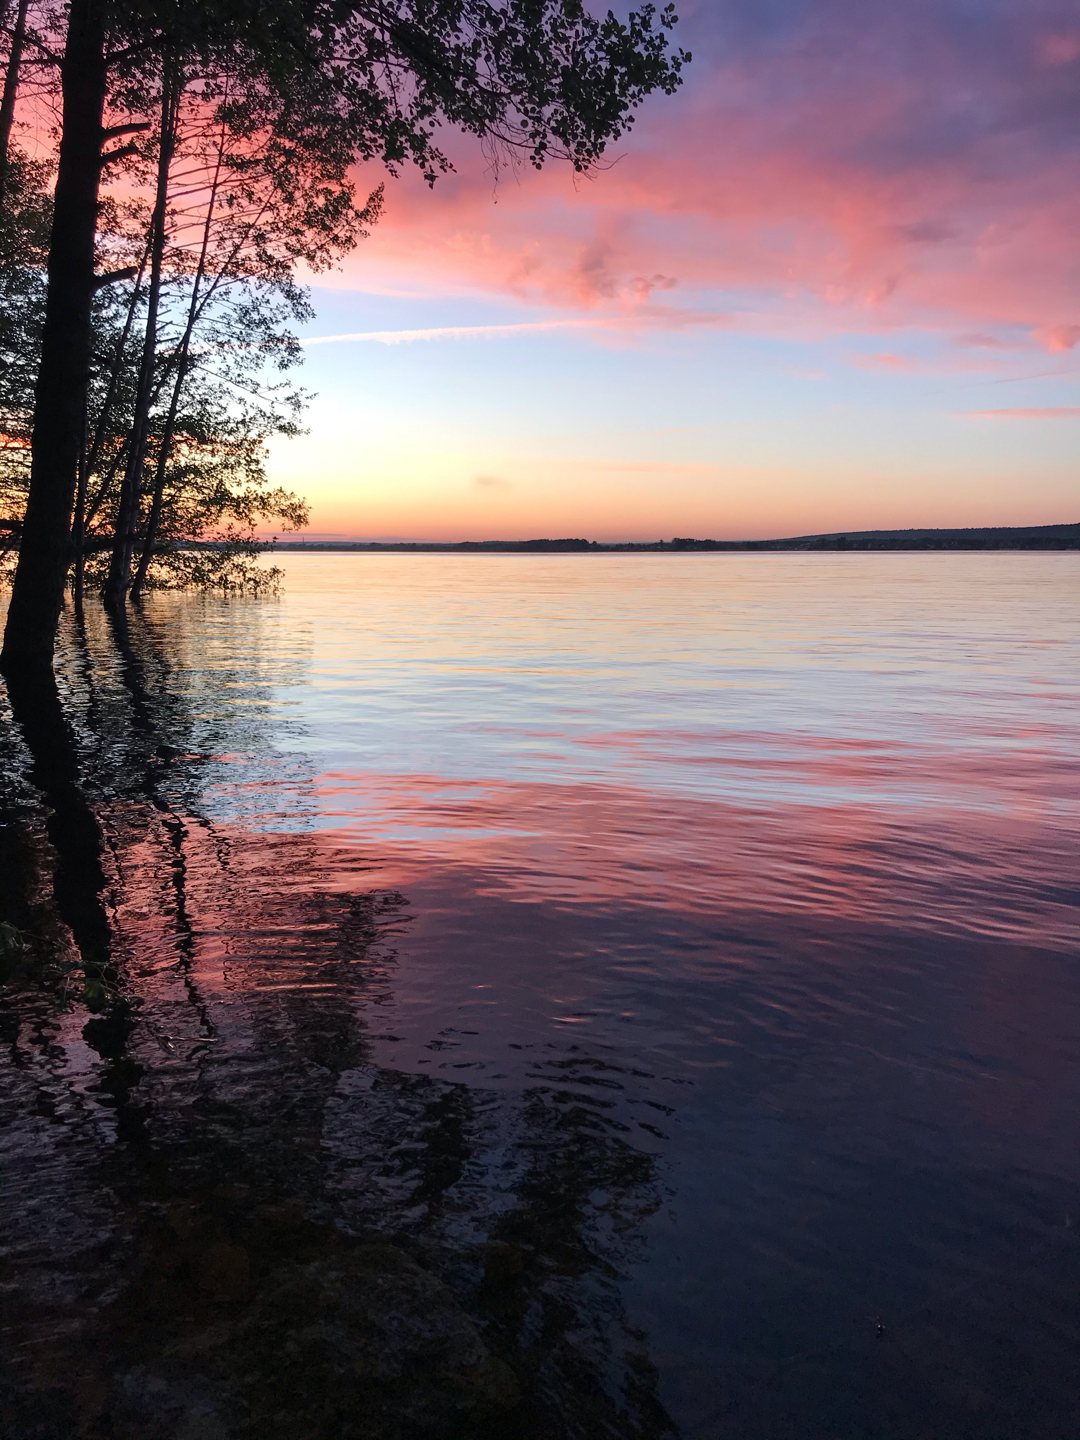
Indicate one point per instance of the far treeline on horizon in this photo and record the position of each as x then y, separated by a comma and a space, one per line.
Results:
1001, 537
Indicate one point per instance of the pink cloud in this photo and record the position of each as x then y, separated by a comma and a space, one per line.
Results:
1059, 338
1048, 412
1059, 49
980, 341
833, 171
884, 361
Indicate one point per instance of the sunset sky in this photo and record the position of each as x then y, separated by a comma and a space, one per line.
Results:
833, 283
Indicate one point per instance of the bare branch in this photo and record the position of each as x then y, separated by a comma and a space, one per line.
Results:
119, 154
111, 276
113, 132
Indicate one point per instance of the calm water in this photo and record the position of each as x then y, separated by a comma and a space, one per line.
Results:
569, 996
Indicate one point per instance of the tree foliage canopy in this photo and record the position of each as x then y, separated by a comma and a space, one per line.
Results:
541, 78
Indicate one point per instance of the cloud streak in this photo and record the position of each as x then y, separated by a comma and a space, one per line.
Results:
1045, 412
656, 318
455, 332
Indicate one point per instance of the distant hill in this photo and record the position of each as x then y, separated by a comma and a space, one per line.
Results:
994, 537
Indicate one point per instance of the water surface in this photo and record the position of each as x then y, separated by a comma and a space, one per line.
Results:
659, 969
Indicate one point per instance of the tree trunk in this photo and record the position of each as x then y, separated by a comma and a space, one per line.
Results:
78, 532
89, 459
11, 86
161, 469
60, 397
127, 515
183, 360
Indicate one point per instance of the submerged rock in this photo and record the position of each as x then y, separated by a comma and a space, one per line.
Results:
362, 1342
366, 1343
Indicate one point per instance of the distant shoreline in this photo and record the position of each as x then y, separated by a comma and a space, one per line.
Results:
996, 537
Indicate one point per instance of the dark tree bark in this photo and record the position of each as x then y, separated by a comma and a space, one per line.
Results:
11, 87
89, 458
127, 515
60, 397
183, 359
153, 520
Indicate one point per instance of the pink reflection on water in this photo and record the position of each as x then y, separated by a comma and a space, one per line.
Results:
950, 866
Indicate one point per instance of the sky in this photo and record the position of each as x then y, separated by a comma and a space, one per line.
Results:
833, 283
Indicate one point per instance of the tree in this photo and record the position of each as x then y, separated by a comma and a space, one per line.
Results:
239, 219
60, 392
11, 88
28, 56
127, 512
207, 429
541, 78
188, 356
25, 222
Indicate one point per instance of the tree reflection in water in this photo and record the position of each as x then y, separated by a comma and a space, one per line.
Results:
222, 1218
